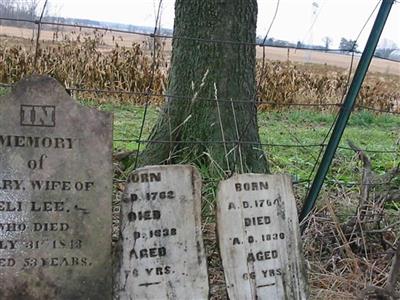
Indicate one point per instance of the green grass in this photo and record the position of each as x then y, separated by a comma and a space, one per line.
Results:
3, 91
366, 129
127, 123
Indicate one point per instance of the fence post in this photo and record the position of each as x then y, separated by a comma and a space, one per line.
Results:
39, 28
347, 107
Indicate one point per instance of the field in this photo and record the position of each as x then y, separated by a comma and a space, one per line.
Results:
346, 248
117, 63
14, 35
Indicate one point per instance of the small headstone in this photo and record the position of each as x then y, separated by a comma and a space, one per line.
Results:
55, 195
162, 247
259, 238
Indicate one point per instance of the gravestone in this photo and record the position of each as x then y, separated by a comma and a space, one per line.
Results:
162, 247
55, 195
259, 238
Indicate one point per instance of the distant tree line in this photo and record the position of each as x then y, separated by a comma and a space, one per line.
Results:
30, 10
348, 45
18, 9
282, 43
111, 25
386, 49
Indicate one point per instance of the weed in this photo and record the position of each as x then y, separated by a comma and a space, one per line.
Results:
82, 60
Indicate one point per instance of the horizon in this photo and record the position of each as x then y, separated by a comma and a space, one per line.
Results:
310, 20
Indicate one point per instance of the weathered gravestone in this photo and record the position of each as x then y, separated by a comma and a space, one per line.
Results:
259, 238
162, 247
55, 195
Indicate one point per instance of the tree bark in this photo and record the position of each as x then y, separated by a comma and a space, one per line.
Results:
212, 90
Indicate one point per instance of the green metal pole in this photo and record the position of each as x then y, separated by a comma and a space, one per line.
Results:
347, 107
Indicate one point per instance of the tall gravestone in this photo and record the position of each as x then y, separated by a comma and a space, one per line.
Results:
162, 253
55, 195
259, 238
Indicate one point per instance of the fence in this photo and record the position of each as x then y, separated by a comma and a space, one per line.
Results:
342, 245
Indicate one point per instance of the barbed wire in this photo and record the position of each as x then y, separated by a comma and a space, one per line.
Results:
345, 91
39, 25
150, 86
242, 101
148, 94
155, 35
262, 74
203, 40
331, 182
228, 142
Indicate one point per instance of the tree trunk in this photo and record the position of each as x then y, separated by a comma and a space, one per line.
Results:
210, 117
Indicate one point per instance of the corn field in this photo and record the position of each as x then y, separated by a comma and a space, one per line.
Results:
83, 61
345, 250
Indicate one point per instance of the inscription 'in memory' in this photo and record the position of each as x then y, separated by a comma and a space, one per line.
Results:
38, 115
55, 193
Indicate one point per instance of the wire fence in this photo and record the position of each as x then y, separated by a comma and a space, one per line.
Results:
148, 94
42, 22
241, 101
314, 149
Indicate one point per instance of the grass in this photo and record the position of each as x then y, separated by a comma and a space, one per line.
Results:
293, 127
3, 91
288, 83
321, 240
128, 68
127, 123
367, 130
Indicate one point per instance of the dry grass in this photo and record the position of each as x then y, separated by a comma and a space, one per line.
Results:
349, 241
99, 60
352, 240
290, 83
49, 33
346, 256
347, 248
79, 61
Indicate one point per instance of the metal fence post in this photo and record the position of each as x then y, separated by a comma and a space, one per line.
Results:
347, 107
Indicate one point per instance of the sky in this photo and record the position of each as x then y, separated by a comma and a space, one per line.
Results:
308, 21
